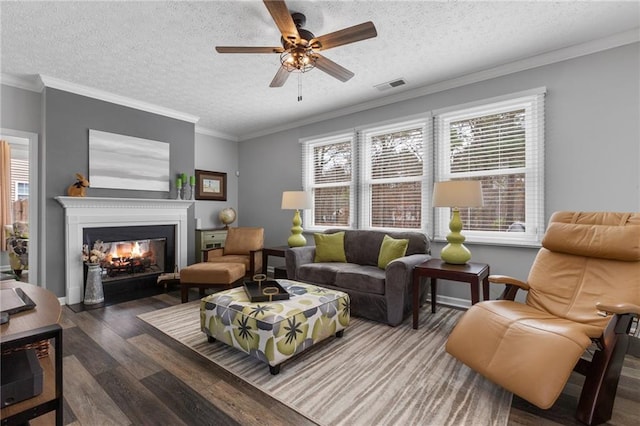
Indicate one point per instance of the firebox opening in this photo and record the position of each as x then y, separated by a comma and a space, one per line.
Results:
134, 258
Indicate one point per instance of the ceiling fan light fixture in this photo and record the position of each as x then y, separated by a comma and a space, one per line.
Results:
300, 47
298, 59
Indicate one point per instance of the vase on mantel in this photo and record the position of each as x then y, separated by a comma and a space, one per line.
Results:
93, 291
187, 190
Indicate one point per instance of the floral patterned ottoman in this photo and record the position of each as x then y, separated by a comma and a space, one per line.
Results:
275, 331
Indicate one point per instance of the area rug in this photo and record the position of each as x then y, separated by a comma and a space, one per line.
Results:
374, 375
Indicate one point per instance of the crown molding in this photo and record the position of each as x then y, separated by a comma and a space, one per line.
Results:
210, 132
26, 82
56, 83
559, 55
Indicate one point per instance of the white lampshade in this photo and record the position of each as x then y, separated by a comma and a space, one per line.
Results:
295, 200
457, 193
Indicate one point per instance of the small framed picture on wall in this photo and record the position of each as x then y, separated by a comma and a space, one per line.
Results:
211, 185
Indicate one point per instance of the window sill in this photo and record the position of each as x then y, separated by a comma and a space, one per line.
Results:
522, 244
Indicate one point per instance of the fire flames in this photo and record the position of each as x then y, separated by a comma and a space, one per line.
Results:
128, 257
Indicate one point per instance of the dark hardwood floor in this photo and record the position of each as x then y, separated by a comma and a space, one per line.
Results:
109, 380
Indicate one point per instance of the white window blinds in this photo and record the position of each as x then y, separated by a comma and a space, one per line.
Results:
328, 175
393, 184
500, 144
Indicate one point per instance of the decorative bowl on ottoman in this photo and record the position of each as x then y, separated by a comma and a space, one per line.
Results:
275, 331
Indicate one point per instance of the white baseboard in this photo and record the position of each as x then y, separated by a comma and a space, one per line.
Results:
452, 301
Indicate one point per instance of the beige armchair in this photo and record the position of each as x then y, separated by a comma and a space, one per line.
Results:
242, 245
583, 290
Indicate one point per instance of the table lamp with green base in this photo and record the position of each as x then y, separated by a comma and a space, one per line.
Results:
456, 194
296, 200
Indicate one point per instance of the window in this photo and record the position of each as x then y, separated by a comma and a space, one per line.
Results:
19, 174
22, 191
328, 175
393, 176
500, 144
381, 177
379, 183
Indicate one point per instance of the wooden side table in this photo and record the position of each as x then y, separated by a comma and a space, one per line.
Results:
472, 273
278, 251
28, 328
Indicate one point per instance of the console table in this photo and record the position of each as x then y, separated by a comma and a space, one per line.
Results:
208, 239
472, 273
28, 328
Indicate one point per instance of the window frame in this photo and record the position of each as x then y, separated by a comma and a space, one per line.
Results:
533, 104
308, 184
18, 195
365, 136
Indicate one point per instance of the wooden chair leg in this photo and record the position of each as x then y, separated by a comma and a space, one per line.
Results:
184, 293
601, 378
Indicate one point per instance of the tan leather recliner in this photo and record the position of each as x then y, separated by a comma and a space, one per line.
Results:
583, 287
242, 245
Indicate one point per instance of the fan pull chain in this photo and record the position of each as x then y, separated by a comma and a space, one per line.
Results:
299, 87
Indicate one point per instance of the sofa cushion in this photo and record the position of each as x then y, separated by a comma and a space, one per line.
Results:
329, 247
391, 249
366, 279
318, 273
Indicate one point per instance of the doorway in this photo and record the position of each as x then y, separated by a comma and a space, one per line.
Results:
24, 194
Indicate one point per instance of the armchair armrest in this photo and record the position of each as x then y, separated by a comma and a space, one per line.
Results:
618, 308
512, 285
255, 262
212, 252
505, 279
296, 257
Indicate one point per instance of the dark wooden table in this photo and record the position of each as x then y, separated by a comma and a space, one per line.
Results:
278, 251
472, 273
24, 330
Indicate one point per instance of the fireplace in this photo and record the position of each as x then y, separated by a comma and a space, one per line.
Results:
133, 257
121, 220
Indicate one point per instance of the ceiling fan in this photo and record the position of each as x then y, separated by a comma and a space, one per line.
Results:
299, 51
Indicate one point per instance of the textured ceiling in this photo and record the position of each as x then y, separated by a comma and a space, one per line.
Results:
163, 52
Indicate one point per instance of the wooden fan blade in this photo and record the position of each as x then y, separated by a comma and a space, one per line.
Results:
246, 49
333, 69
280, 77
282, 17
344, 36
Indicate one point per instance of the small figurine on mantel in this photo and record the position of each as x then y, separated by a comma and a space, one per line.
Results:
78, 189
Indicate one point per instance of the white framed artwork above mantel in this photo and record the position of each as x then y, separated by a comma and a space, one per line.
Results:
94, 212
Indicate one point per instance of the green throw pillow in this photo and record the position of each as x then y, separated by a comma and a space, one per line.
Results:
391, 249
330, 247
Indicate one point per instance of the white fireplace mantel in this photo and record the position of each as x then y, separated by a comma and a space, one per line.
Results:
97, 212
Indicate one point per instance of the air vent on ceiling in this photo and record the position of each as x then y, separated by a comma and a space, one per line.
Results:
391, 84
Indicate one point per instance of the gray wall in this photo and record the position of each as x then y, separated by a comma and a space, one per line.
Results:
215, 154
592, 148
67, 120
20, 109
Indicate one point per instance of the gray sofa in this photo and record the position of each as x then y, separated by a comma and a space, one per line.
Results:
376, 294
